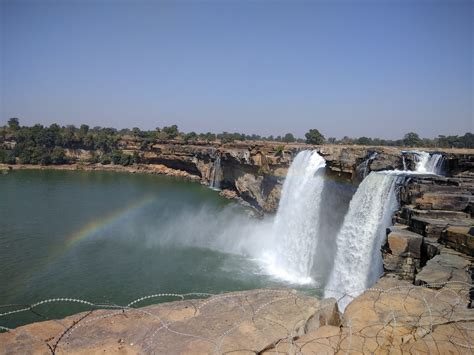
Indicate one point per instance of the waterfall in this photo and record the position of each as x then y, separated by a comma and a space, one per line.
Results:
216, 174
362, 169
429, 164
358, 260
296, 223
404, 162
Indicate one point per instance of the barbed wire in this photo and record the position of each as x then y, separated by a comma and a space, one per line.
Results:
431, 317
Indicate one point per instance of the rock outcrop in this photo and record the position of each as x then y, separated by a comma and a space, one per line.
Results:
245, 322
402, 252
254, 171
432, 242
393, 316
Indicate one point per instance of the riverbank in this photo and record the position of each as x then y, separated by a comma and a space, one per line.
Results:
254, 171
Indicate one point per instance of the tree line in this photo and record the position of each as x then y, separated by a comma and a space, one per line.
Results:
47, 145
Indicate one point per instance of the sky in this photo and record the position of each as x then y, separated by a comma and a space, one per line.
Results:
377, 68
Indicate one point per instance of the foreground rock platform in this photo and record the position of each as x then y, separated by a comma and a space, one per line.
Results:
393, 316
247, 322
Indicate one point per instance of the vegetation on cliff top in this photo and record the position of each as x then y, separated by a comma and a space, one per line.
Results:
46, 145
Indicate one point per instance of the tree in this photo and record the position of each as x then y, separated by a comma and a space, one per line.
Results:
172, 131
363, 141
468, 140
289, 137
411, 139
58, 156
136, 132
14, 123
313, 136
226, 137
191, 136
83, 130
7, 156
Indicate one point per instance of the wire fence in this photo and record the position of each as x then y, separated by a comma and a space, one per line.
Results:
396, 317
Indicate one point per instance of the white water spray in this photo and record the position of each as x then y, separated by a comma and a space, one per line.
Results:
404, 163
296, 223
358, 260
429, 163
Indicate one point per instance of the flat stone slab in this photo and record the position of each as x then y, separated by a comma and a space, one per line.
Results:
444, 267
246, 322
394, 317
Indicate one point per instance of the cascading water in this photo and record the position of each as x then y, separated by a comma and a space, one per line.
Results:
429, 164
296, 223
363, 168
216, 174
358, 260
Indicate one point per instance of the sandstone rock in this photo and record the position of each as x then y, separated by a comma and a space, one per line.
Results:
434, 227
239, 322
228, 193
393, 317
443, 268
402, 253
430, 248
460, 239
437, 201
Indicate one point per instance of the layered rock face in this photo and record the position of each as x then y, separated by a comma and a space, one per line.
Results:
432, 241
254, 172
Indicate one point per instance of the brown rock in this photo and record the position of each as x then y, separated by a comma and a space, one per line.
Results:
239, 322
459, 238
445, 267
402, 253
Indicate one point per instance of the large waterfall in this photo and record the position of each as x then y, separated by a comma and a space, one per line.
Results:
358, 260
296, 223
429, 163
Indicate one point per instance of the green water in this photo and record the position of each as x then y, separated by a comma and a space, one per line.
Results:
110, 238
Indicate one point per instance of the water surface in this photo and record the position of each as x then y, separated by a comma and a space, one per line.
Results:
113, 237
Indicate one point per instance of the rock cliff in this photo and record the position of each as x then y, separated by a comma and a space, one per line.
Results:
254, 172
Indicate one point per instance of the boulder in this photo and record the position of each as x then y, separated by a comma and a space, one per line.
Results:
402, 253
459, 238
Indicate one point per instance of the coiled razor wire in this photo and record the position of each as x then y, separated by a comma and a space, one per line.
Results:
393, 319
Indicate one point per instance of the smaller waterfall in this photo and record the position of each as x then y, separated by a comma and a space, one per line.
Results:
404, 162
429, 163
216, 174
358, 260
296, 223
363, 168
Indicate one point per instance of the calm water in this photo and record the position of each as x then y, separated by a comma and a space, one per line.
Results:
111, 238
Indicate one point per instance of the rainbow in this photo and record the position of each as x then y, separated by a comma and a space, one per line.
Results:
88, 230
103, 221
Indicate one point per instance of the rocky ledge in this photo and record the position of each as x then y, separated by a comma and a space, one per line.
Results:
432, 239
254, 171
394, 315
